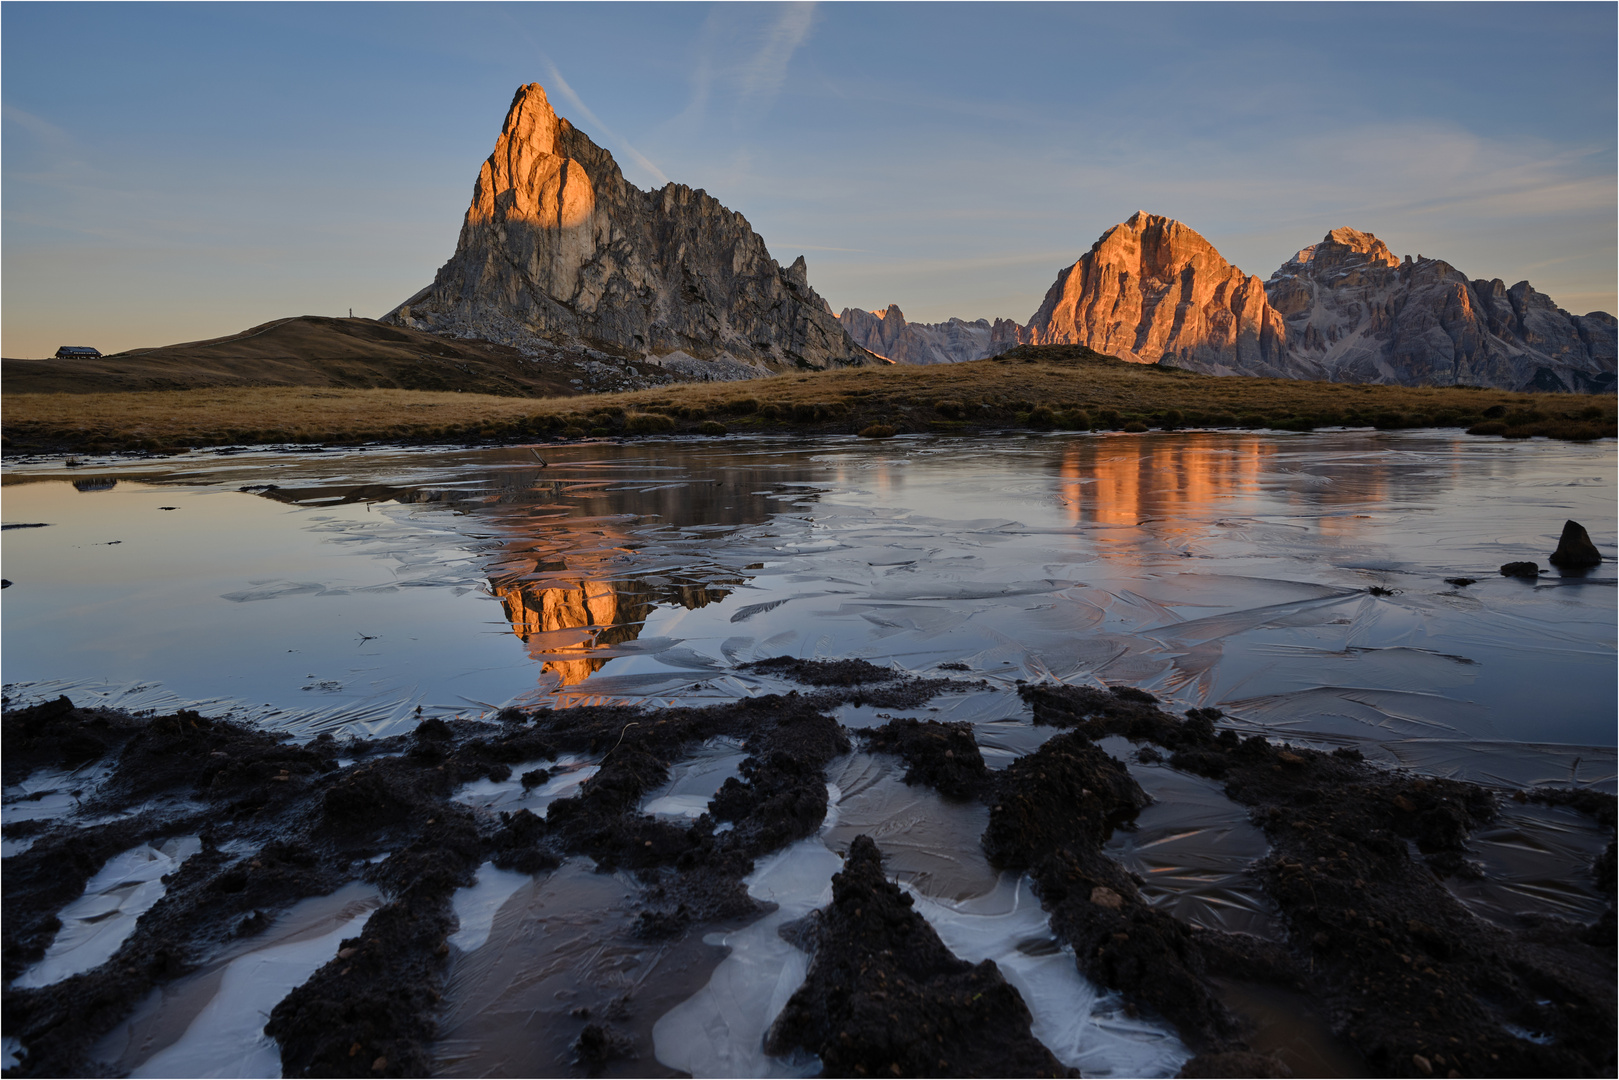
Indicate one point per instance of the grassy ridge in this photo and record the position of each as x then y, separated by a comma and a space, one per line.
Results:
1057, 386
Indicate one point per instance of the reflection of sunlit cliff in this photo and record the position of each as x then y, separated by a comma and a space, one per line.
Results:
1156, 478
1174, 480
564, 624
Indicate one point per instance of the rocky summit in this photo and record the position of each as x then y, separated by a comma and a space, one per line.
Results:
887, 334
1345, 310
1356, 313
557, 247
1153, 290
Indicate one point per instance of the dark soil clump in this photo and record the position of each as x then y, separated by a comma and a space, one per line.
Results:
1402, 969
884, 997
824, 672
943, 756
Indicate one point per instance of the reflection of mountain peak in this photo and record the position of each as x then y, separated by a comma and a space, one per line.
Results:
570, 625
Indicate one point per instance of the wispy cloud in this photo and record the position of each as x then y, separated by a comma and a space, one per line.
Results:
762, 77
561, 85
746, 64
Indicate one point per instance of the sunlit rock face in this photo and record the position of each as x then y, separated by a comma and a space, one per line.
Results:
1153, 290
887, 334
557, 245
1356, 313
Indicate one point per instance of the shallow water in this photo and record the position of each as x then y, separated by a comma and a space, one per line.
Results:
368, 589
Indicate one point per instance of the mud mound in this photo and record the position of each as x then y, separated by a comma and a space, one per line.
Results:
1068, 791
884, 997
824, 672
943, 756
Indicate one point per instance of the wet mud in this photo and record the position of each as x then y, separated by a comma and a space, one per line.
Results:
1411, 979
280, 822
1376, 949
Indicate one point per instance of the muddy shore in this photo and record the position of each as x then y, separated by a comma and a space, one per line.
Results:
1408, 979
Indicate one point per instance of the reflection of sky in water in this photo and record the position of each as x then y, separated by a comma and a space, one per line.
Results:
1212, 569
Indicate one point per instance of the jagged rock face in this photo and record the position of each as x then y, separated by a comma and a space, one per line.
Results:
557, 245
1153, 290
888, 335
1356, 313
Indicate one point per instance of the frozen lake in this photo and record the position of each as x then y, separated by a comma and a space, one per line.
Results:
1297, 582
1211, 569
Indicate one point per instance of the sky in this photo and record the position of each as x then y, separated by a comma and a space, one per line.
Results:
177, 172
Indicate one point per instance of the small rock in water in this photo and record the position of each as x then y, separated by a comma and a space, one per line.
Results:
1574, 548
1461, 581
1520, 569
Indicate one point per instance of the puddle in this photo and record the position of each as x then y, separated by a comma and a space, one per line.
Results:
928, 842
720, 1030
97, 923
211, 1023
1192, 847
693, 783
1536, 859
1215, 569
1084, 1029
560, 952
1283, 1024
567, 773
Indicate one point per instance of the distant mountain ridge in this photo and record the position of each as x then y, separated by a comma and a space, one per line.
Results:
1151, 290
557, 247
888, 335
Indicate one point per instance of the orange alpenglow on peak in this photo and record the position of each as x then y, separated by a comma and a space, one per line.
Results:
557, 248
1152, 289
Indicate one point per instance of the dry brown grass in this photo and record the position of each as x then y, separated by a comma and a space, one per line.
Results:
1050, 387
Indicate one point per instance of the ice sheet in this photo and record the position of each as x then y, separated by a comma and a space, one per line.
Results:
693, 783
1536, 859
1085, 1029
1194, 847
477, 904
53, 793
562, 952
926, 840
720, 1030
101, 920
509, 795
211, 1023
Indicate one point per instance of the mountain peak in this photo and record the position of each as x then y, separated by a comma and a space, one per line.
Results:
557, 246
1362, 243
1153, 288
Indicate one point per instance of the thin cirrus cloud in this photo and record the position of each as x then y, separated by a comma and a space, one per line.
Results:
743, 62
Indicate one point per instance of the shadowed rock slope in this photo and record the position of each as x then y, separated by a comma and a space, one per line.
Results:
1356, 313
558, 246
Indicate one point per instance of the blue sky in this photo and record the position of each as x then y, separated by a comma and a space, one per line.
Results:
174, 172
